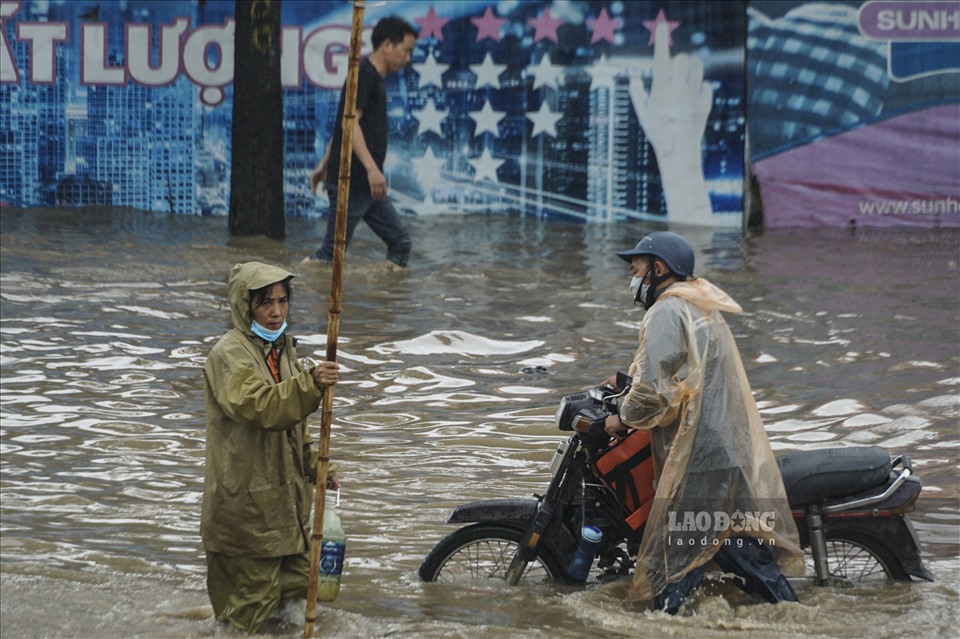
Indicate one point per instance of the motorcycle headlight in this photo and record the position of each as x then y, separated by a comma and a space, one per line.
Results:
559, 415
569, 406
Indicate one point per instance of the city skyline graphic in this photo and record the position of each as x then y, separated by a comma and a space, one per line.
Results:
506, 107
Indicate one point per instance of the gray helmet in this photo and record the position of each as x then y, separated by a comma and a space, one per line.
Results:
669, 247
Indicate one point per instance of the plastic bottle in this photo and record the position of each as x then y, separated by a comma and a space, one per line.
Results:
582, 560
332, 549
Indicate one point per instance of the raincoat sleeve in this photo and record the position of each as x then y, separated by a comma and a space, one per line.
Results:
659, 372
310, 455
247, 398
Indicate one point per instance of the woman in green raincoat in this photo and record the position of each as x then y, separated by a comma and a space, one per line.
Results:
719, 494
260, 469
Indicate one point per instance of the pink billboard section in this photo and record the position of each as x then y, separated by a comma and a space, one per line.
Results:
904, 171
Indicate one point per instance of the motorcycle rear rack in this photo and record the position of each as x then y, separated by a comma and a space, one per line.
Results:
858, 504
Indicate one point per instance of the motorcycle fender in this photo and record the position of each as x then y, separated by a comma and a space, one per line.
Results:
911, 558
902, 539
511, 511
517, 513
894, 531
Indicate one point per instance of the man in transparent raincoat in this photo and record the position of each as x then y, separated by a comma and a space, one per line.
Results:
719, 494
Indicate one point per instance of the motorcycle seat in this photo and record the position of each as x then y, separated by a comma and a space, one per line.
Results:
814, 475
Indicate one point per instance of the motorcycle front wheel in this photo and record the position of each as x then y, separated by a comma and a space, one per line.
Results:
484, 551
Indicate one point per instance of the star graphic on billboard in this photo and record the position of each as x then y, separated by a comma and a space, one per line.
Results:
431, 25
487, 119
429, 118
545, 74
485, 167
603, 27
428, 167
487, 73
489, 25
545, 26
601, 73
544, 121
651, 26
430, 72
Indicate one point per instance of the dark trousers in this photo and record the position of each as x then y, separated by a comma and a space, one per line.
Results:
380, 216
754, 566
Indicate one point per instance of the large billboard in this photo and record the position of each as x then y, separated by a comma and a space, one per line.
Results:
852, 107
506, 107
854, 112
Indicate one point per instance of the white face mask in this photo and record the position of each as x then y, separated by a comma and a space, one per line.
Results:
636, 285
640, 291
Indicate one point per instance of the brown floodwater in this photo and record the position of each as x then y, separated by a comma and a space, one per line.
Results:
451, 375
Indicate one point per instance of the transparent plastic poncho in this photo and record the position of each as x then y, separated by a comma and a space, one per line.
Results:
717, 478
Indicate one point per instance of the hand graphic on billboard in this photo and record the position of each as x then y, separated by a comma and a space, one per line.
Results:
673, 115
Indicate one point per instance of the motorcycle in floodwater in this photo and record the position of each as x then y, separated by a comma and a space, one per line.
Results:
850, 506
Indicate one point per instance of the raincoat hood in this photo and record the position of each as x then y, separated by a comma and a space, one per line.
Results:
702, 293
246, 277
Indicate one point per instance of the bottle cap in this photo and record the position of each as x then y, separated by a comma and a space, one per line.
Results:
592, 533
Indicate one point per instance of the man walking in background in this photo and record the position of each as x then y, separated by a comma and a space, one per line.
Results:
393, 40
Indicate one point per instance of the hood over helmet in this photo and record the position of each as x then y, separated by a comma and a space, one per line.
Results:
704, 294
246, 277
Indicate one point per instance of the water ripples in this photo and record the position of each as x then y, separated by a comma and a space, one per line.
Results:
450, 381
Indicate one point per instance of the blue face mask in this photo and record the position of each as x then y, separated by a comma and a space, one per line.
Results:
270, 336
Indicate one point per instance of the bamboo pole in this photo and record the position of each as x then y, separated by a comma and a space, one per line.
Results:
333, 321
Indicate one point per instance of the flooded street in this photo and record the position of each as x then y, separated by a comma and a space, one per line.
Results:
451, 374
